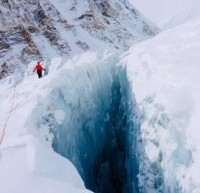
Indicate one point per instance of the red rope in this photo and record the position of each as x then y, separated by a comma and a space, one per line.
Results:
8, 117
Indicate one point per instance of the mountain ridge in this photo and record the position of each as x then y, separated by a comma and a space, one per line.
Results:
30, 30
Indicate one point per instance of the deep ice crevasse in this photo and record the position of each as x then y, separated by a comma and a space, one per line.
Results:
94, 122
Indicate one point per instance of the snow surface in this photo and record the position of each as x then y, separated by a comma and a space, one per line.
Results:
168, 13
165, 76
28, 162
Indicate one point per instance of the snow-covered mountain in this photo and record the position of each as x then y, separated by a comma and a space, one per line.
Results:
102, 119
80, 111
42, 29
170, 13
130, 127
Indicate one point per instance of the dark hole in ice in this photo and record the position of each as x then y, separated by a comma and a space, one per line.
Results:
102, 146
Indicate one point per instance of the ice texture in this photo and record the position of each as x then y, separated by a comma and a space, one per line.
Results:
91, 117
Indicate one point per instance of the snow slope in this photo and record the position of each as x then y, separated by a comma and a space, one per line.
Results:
170, 13
165, 75
27, 161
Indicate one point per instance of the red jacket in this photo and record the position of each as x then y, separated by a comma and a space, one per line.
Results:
38, 68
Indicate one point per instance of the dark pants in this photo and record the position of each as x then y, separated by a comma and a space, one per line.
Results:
39, 74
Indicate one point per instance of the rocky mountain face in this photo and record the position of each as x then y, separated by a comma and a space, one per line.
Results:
40, 29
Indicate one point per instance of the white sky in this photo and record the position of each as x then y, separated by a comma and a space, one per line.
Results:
168, 13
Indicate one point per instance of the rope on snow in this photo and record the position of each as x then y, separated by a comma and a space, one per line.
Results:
8, 117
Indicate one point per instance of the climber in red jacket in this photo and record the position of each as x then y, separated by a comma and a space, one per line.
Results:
38, 68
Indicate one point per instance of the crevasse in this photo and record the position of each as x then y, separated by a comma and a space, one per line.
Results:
95, 123
96, 136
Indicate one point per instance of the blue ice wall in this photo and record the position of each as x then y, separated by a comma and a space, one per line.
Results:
100, 132
96, 135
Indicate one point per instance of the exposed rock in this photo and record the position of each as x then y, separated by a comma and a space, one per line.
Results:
5, 70
84, 46
30, 28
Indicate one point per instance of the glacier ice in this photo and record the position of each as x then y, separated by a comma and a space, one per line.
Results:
94, 121
89, 113
96, 133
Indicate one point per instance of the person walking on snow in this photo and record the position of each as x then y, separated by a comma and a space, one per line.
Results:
38, 68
